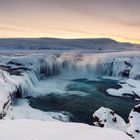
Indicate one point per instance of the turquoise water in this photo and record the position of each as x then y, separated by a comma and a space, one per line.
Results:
82, 107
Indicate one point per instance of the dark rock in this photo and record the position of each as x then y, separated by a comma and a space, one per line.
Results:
125, 73
14, 63
137, 77
134, 96
2, 114
105, 120
137, 131
95, 119
112, 113
127, 63
6, 104
136, 109
130, 135
114, 119
101, 125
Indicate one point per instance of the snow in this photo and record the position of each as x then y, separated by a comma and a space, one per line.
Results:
130, 88
38, 44
36, 78
22, 110
134, 123
105, 117
41, 130
8, 85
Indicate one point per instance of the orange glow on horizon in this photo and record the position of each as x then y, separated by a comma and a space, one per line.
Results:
70, 19
119, 39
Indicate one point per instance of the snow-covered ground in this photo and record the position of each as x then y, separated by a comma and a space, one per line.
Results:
134, 123
22, 110
24, 76
106, 118
40, 130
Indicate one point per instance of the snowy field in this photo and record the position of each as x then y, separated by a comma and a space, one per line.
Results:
39, 130
26, 76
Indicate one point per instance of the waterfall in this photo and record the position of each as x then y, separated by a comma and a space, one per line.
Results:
32, 69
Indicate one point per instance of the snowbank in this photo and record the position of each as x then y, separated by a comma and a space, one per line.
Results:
105, 117
134, 123
8, 88
40, 130
130, 88
22, 110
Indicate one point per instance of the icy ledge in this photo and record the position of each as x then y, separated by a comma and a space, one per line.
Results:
22, 110
40, 130
130, 88
106, 118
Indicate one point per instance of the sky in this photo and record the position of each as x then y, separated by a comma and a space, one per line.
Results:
116, 19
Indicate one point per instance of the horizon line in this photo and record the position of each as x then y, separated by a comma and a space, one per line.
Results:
74, 38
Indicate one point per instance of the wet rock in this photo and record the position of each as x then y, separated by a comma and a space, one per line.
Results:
137, 109
128, 64
126, 73
13, 62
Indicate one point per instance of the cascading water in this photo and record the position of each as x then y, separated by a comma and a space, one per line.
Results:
77, 77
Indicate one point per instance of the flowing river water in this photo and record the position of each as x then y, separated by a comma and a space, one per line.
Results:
81, 97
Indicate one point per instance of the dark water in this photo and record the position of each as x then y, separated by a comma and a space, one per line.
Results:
82, 107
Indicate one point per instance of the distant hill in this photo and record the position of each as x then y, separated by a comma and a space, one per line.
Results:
64, 44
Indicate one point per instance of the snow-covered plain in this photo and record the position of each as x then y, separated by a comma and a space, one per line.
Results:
40, 130
22, 76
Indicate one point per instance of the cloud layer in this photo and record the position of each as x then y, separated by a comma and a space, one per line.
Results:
118, 19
